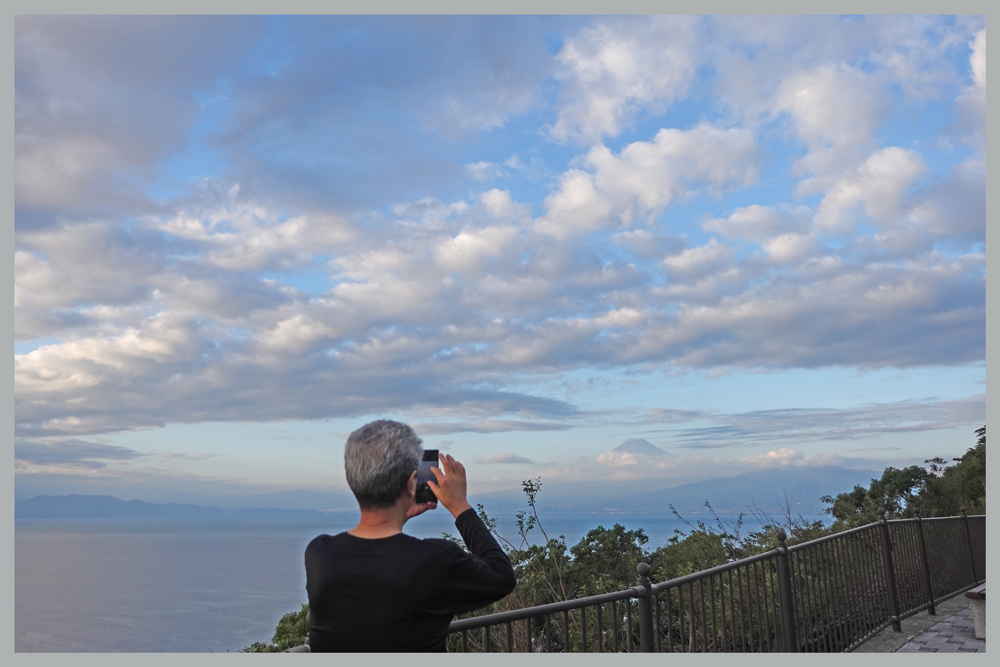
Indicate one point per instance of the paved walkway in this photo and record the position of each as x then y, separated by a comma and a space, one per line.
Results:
954, 634
950, 631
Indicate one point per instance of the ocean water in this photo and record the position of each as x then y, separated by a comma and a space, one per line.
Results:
197, 584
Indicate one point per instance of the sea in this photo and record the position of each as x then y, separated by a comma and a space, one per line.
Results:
205, 584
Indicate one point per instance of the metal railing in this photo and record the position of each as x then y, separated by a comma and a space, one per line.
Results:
826, 595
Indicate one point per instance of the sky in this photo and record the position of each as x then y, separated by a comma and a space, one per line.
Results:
754, 242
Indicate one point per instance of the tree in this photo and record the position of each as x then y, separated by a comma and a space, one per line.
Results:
959, 485
707, 545
604, 560
290, 631
896, 491
938, 490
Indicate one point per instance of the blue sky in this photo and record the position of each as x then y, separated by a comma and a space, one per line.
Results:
753, 241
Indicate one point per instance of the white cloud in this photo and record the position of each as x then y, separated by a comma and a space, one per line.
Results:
915, 53
499, 205
645, 177
774, 458
834, 110
484, 171
789, 248
954, 207
755, 222
86, 140
471, 247
971, 102
618, 459
700, 261
877, 186
977, 61
430, 212
616, 68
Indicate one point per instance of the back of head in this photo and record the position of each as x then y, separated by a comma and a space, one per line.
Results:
379, 458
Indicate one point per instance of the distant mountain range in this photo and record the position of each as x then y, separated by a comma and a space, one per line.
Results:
767, 489
100, 507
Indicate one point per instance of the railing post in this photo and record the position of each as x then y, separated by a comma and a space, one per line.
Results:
646, 641
888, 570
925, 565
785, 593
968, 541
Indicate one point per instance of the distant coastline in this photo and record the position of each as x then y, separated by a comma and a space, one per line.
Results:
774, 491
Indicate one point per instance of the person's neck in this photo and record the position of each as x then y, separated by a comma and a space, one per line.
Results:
380, 522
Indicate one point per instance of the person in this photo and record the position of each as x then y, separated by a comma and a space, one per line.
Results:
374, 588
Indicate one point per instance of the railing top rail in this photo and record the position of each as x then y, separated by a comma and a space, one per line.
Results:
701, 574
828, 538
933, 518
542, 610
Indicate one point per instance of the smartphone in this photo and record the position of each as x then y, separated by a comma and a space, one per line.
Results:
424, 493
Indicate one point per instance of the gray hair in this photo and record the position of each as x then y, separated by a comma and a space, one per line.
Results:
379, 458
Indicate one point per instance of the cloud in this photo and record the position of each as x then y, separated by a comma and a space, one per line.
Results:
836, 424
916, 54
616, 68
834, 110
509, 457
486, 426
646, 176
484, 171
877, 186
952, 210
755, 223
70, 451
670, 415
364, 109
699, 467
971, 103
309, 240
618, 459
473, 247
82, 141
789, 248
230, 342
169, 456
774, 458
645, 244
700, 261
628, 461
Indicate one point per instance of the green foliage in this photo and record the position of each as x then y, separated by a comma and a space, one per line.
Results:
260, 647
960, 485
707, 545
938, 490
896, 491
291, 631
604, 560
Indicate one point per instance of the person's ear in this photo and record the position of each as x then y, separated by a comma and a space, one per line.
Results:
411, 484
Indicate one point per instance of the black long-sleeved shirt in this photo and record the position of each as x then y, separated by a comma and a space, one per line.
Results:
399, 593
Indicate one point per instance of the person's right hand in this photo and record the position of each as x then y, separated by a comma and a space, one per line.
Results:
450, 488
